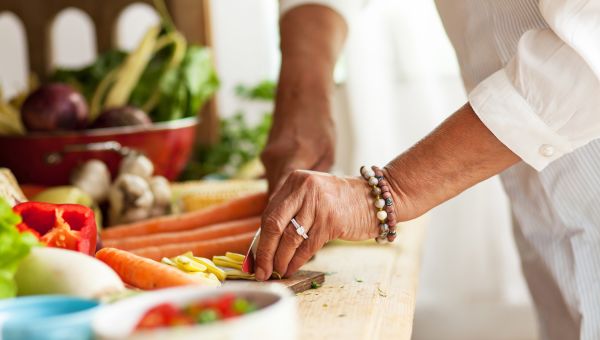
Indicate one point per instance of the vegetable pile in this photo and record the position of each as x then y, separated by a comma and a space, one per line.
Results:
163, 79
143, 273
224, 307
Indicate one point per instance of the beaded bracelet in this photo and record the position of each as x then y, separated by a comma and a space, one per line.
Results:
383, 202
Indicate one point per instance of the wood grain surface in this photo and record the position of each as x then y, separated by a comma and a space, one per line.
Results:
369, 290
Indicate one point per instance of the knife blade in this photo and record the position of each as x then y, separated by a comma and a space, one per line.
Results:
250, 259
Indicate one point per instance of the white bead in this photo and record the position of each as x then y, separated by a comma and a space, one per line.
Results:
379, 203
365, 173
547, 150
369, 172
373, 181
381, 215
380, 240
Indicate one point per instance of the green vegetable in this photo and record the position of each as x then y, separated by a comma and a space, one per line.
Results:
14, 246
208, 315
265, 90
185, 89
314, 285
174, 83
243, 306
87, 79
239, 143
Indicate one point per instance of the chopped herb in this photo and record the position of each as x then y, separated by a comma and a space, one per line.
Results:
357, 279
381, 292
330, 273
325, 305
341, 315
314, 285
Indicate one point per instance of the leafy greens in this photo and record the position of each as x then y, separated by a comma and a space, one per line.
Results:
240, 143
182, 90
14, 246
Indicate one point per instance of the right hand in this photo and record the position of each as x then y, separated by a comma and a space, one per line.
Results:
303, 134
314, 200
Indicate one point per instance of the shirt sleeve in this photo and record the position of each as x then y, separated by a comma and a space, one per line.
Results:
348, 9
546, 102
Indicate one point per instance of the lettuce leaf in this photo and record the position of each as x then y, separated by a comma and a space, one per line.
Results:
14, 246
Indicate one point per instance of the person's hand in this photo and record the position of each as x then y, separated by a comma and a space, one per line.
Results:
302, 136
327, 206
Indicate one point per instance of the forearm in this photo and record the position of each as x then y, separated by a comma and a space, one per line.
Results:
460, 153
312, 37
302, 136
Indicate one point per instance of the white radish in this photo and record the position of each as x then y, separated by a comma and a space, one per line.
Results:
59, 271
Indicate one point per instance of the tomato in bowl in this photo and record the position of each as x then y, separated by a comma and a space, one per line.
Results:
235, 311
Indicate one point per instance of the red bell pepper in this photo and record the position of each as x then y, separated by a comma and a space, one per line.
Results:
68, 226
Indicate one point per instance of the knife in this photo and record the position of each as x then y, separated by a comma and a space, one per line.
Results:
250, 259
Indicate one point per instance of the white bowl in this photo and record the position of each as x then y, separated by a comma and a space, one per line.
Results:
276, 317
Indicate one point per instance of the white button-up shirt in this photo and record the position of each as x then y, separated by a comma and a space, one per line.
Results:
532, 70
528, 102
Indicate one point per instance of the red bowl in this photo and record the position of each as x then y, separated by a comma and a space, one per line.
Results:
49, 159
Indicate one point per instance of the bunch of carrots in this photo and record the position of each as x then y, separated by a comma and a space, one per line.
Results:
226, 227
134, 248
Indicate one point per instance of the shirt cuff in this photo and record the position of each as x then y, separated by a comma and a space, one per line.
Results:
511, 119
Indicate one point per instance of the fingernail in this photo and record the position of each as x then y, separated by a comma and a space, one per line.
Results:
259, 274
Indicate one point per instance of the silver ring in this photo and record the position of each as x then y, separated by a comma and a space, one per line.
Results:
299, 228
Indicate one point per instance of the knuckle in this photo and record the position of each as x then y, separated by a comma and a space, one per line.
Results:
298, 175
263, 257
290, 236
271, 225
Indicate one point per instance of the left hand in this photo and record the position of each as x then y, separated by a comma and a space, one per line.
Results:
329, 207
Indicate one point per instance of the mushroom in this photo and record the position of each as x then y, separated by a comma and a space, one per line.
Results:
162, 195
137, 164
131, 199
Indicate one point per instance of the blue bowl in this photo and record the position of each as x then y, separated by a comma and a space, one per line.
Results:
46, 318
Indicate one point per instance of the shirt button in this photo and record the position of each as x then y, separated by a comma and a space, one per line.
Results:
547, 150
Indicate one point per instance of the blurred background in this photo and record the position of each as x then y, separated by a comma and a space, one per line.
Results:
398, 71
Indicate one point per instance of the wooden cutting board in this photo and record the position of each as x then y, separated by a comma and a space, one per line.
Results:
298, 283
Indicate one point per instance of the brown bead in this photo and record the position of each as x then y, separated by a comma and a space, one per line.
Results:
392, 217
386, 195
383, 182
389, 209
391, 238
377, 171
384, 188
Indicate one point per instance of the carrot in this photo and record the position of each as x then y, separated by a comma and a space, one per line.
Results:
144, 273
199, 234
247, 206
206, 248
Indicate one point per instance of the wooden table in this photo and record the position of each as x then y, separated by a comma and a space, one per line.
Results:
369, 290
